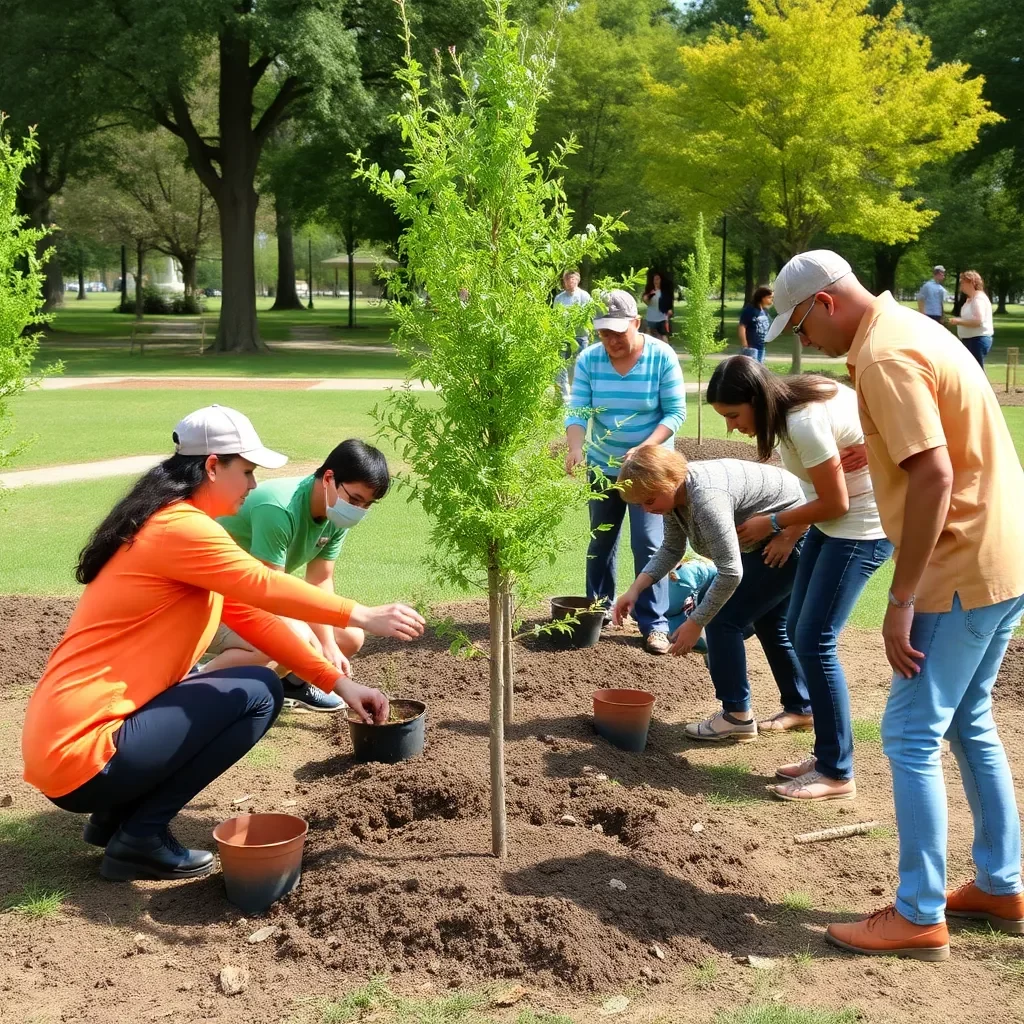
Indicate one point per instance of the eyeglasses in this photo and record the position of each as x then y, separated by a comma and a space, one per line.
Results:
798, 329
354, 499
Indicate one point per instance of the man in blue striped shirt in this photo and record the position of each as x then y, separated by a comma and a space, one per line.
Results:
629, 391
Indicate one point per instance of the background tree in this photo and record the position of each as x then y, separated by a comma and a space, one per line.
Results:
487, 234
265, 62
815, 120
699, 333
597, 97
21, 280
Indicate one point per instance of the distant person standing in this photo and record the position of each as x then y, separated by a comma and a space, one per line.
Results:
974, 324
573, 295
754, 323
932, 295
659, 312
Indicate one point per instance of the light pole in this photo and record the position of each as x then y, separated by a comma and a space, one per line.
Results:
309, 305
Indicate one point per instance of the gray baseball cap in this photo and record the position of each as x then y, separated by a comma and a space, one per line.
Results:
218, 430
621, 313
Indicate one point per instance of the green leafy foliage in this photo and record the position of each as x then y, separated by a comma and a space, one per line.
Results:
21, 282
698, 317
487, 235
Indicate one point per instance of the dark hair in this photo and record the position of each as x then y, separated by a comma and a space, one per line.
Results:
760, 294
175, 479
740, 379
355, 461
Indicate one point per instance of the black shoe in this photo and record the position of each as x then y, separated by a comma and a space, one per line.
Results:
300, 696
153, 857
100, 828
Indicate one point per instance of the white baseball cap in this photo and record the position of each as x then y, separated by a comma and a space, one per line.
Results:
621, 312
803, 276
218, 430
938, 269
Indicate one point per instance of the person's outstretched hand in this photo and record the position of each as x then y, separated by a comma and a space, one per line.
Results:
623, 607
397, 620
369, 704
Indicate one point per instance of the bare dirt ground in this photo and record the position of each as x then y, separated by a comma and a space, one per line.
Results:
399, 882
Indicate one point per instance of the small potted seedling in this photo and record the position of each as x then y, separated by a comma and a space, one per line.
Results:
577, 621
402, 736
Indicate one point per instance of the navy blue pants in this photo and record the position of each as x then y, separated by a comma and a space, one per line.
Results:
176, 745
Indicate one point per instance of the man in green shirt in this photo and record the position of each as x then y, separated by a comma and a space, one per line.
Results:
290, 524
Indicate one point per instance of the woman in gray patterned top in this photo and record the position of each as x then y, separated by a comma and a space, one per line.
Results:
703, 503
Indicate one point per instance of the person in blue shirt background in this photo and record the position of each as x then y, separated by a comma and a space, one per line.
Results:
932, 296
754, 323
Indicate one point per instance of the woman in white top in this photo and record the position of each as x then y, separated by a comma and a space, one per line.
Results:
816, 425
658, 296
974, 324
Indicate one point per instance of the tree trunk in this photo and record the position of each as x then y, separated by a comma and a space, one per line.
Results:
764, 263
188, 275
287, 295
140, 256
887, 259
700, 410
798, 357
351, 285
958, 299
1004, 294
238, 330
748, 273
508, 668
124, 277
81, 276
497, 732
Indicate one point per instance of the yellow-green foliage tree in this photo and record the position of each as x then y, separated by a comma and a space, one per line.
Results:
815, 119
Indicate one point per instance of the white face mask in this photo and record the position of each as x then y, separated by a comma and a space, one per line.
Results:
342, 513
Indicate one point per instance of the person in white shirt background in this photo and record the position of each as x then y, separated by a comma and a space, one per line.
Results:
932, 295
816, 424
974, 324
573, 295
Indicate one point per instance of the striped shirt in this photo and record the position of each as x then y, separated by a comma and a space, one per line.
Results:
622, 410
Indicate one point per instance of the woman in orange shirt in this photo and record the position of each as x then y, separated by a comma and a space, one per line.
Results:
118, 727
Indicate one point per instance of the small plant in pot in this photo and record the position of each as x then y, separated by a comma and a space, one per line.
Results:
402, 736
577, 621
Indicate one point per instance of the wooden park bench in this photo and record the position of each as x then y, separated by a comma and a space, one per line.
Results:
181, 332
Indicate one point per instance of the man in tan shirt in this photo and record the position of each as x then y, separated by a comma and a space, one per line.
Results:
950, 488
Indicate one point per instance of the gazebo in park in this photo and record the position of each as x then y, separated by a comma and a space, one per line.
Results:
356, 259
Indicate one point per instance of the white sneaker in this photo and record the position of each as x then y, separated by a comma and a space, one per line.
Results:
723, 727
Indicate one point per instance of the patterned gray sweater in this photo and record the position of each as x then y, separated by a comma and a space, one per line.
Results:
720, 495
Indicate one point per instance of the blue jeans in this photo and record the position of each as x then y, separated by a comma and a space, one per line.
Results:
646, 532
173, 747
952, 697
760, 601
754, 351
979, 347
829, 580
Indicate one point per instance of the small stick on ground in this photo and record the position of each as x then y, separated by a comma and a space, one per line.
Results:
839, 832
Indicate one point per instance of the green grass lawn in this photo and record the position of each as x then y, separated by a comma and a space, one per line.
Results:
46, 526
91, 340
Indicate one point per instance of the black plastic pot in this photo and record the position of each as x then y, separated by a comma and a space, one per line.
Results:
584, 633
391, 742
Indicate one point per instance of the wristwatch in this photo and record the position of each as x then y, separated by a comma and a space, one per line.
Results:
774, 520
909, 603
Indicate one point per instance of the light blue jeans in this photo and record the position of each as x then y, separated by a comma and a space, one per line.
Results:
952, 697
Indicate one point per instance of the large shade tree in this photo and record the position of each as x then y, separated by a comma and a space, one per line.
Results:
265, 62
815, 119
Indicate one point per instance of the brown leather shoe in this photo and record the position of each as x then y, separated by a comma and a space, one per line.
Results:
1004, 913
888, 933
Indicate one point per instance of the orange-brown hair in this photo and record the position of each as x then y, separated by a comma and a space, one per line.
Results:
975, 278
651, 470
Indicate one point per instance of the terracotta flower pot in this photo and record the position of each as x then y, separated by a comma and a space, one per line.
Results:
623, 717
261, 858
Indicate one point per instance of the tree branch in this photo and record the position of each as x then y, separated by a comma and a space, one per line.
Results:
200, 153
291, 92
